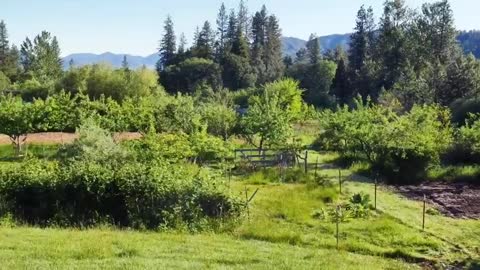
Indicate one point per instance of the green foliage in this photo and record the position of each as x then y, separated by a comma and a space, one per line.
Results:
467, 142
401, 147
173, 148
220, 119
86, 193
187, 76
94, 145
41, 58
208, 148
4, 81
317, 79
270, 114
33, 89
16, 119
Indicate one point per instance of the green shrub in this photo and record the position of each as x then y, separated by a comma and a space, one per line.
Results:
94, 145
467, 143
85, 193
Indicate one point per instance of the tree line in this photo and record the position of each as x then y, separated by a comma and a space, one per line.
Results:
405, 58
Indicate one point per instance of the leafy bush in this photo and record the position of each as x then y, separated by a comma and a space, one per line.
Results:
401, 147
85, 193
467, 143
177, 147
94, 145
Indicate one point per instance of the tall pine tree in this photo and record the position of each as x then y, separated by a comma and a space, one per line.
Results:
41, 59
204, 42
9, 56
393, 43
244, 19
222, 31
273, 50
259, 25
360, 53
168, 46
313, 49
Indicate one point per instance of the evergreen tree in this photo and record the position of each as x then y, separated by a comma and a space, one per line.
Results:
301, 55
393, 47
237, 71
361, 52
168, 45
27, 55
125, 65
71, 64
437, 32
340, 88
182, 44
231, 29
222, 29
273, 50
204, 42
4, 45
361, 41
287, 61
259, 25
462, 79
244, 19
313, 49
41, 59
9, 57
240, 45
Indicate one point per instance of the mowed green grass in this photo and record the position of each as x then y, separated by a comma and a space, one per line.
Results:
30, 248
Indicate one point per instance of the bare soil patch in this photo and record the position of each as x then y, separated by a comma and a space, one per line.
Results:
458, 200
62, 137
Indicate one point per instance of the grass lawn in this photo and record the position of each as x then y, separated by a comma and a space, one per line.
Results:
281, 233
28, 248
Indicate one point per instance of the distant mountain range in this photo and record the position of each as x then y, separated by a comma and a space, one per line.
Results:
469, 40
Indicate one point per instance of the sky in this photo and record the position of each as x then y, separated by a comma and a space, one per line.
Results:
135, 26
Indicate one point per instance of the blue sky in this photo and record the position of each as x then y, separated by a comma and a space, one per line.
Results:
135, 26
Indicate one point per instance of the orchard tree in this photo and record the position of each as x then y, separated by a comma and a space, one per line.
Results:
17, 119
269, 118
220, 119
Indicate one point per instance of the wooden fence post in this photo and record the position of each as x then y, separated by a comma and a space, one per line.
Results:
338, 221
246, 203
376, 183
424, 211
306, 161
340, 180
316, 168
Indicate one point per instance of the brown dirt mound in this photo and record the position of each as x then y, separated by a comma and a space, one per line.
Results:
458, 200
61, 137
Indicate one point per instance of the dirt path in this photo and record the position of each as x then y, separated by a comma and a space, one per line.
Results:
458, 200
61, 137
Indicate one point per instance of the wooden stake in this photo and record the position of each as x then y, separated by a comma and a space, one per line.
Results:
376, 183
338, 221
340, 180
316, 168
246, 203
306, 161
424, 211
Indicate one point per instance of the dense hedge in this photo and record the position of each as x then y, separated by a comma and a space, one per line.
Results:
133, 195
